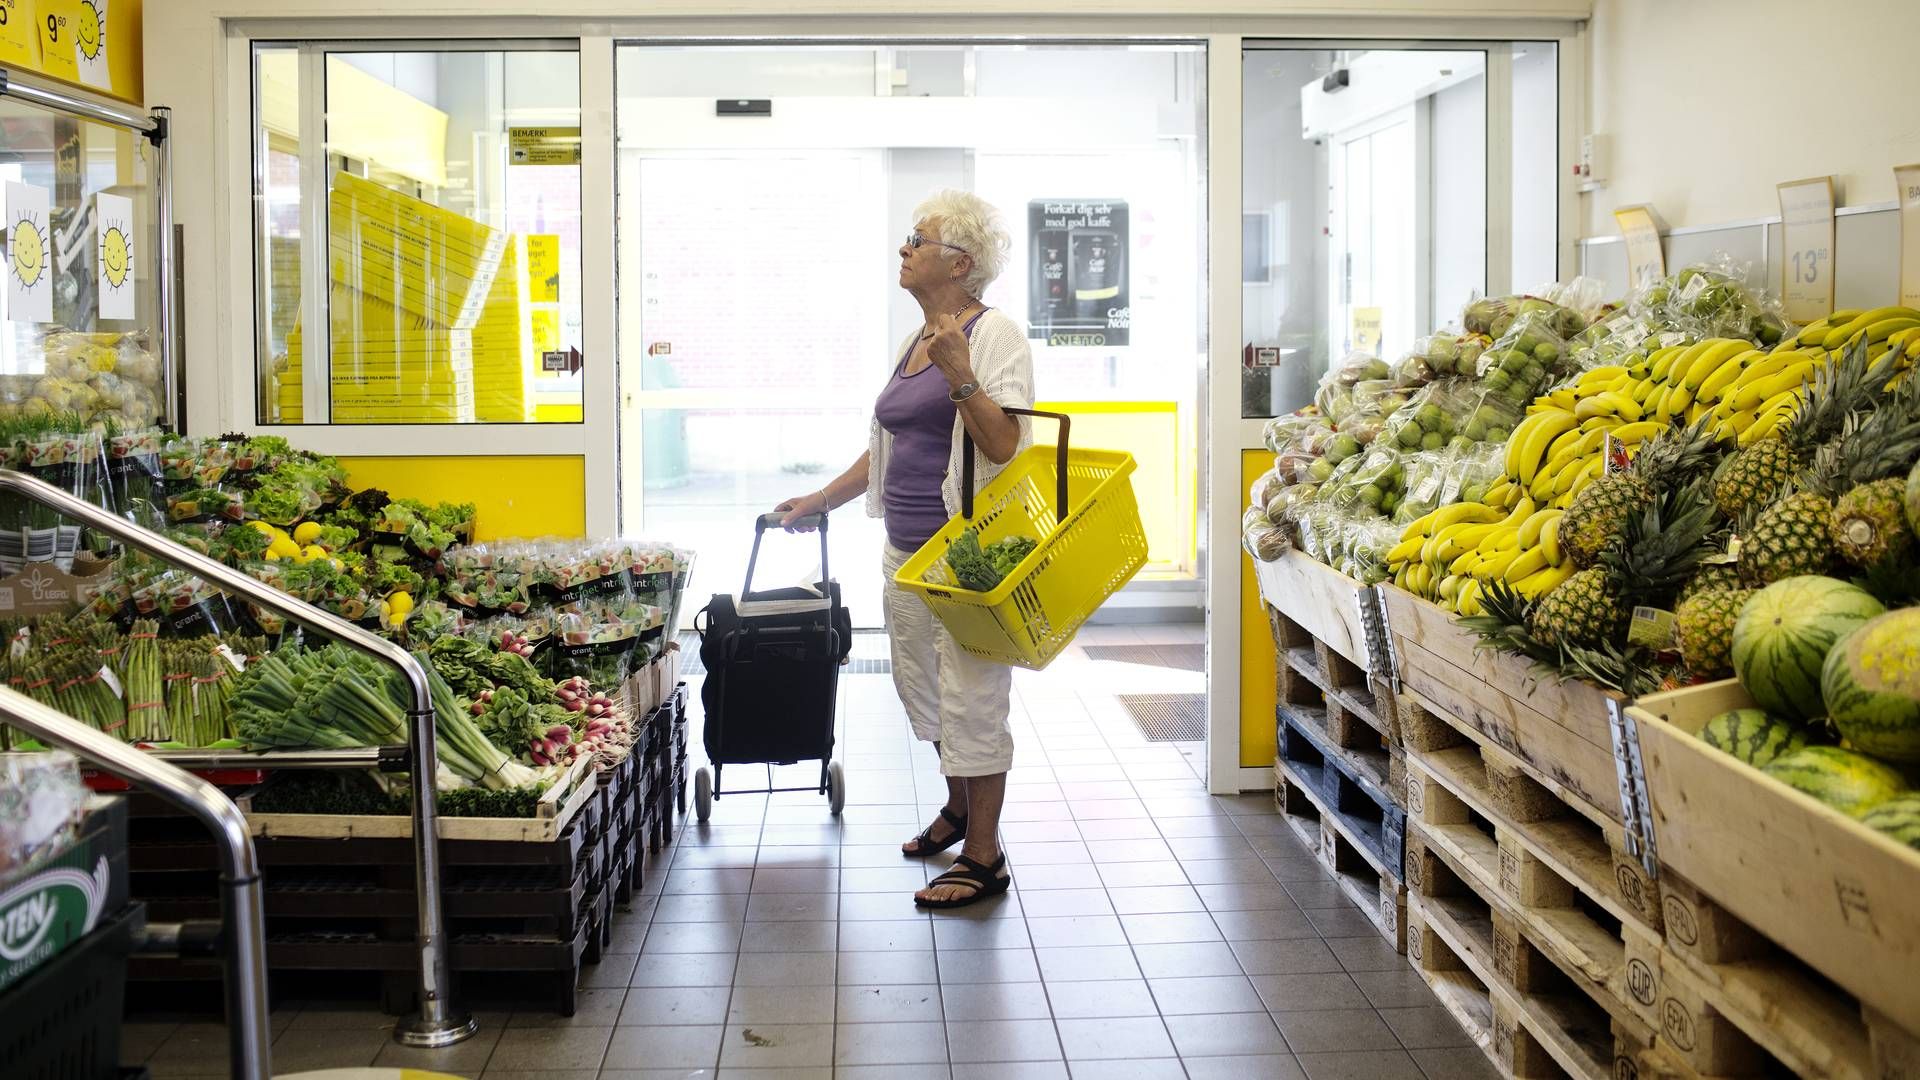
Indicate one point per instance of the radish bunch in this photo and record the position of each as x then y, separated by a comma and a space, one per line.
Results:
518, 644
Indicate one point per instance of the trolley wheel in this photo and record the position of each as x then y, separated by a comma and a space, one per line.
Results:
836, 788
702, 794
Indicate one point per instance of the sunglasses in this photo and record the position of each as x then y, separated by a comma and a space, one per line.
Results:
914, 240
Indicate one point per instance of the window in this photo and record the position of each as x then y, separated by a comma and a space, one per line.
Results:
447, 185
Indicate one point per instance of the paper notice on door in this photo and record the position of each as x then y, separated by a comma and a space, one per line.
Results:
113, 217
29, 254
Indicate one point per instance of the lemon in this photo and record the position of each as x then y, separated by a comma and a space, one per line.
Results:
312, 552
306, 533
401, 603
282, 548
262, 528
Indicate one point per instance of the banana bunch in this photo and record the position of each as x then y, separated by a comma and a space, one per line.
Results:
1885, 328
1557, 449
1449, 555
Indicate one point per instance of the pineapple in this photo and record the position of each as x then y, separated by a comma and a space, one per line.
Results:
1725, 575
1869, 525
1759, 474
1582, 610
1788, 540
1706, 630
1599, 514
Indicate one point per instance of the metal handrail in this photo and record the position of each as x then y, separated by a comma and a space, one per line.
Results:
243, 927
437, 1023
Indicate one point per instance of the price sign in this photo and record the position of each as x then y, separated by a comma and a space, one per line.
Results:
17, 46
1645, 259
1806, 258
1906, 180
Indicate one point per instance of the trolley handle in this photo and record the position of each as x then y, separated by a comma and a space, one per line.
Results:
1059, 472
767, 521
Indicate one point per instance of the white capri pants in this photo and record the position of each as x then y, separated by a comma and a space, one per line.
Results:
952, 697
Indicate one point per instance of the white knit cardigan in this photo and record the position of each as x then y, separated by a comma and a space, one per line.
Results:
1003, 364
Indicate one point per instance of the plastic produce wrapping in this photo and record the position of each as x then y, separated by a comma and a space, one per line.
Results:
1366, 484
40, 799
1426, 478
1438, 356
1711, 299
1262, 538
1524, 358
1335, 396
1284, 508
1265, 488
1473, 473
1432, 417
1303, 430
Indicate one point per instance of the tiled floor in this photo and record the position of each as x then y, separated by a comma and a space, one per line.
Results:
1153, 931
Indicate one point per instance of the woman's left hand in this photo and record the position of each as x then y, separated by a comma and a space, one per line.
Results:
949, 352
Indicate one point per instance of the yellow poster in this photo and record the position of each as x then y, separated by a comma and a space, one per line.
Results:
17, 46
543, 146
1366, 329
543, 268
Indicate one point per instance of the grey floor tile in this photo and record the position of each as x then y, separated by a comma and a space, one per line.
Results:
1126, 851
863, 907
1109, 998
796, 857
1114, 1038
1148, 1069
692, 937
684, 969
592, 1008
676, 1047
1317, 894
1319, 1031
1426, 1028
781, 1005
701, 907
550, 1048
1120, 829
1348, 921
1055, 903
883, 879
1087, 964
1069, 931
534, 1074
1001, 1041
995, 1001
1265, 925
613, 970
785, 969
792, 907
1213, 825
1237, 896
1155, 899
1360, 1065
762, 937
869, 1004
764, 1046
1170, 928
1134, 875
1208, 994
892, 935
1194, 958
951, 934
1011, 1070
313, 1049
1455, 1063
1047, 853
899, 1043
959, 966
191, 1047
1298, 991
1246, 870
690, 882
1266, 1066
464, 1058
927, 1071
884, 969
679, 1006
800, 880
1048, 876
1368, 952
1285, 956
139, 1039
1224, 1034
861, 855
1402, 989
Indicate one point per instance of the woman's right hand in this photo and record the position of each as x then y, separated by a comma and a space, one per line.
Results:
814, 502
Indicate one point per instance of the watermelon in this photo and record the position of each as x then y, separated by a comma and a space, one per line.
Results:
1784, 633
1871, 684
1897, 817
1850, 783
1753, 736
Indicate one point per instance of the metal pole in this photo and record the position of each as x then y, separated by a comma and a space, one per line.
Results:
243, 925
166, 289
437, 1024
51, 95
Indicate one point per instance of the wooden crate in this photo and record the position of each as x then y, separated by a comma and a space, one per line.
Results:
1321, 600
1371, 883
1773, 893
1557, 730
1308, 672
558, 807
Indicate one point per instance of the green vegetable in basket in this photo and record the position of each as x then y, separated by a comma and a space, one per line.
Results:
981, 569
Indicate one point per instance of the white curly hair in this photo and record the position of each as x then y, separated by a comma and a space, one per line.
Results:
974, 225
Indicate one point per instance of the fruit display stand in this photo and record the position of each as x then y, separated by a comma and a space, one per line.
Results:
1336, 767
1791, 930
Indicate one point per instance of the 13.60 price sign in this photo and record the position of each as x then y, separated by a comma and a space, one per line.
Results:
1806, 267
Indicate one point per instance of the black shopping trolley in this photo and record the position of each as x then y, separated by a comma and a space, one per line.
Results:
773, 674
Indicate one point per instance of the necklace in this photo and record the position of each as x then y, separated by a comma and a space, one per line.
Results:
957, 314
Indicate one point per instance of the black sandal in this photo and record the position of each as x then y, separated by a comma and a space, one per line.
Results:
925, 845
986, 882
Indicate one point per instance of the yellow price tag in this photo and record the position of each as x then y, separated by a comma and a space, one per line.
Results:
1806, 254
16, 34
57, 22
1906, 179
1645, 258
1366, 329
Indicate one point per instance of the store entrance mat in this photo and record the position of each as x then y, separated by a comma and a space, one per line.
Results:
1168, 717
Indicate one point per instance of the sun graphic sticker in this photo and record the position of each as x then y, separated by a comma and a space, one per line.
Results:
113, 223
90, 43
29, 255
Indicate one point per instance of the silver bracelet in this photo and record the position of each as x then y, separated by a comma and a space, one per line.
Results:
826, 503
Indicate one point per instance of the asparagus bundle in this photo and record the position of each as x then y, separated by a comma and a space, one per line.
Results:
212, 692
147, 719
83, 694
181, 718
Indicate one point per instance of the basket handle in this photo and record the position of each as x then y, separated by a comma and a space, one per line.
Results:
1059, 472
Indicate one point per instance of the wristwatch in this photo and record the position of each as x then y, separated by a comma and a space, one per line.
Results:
965, 391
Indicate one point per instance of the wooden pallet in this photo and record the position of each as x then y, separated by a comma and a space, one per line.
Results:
1371, 883
1319, 600
1791, 881
1558, 730
1309, 672
1541, 1019
1357, 783
1583, 843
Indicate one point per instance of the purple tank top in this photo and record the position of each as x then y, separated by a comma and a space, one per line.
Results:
916, 411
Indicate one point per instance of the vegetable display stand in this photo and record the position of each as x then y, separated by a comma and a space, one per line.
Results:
1080, 507
62, 1022
1792, 931
1557, 732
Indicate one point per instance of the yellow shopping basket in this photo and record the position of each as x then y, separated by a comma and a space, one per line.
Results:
1090, 543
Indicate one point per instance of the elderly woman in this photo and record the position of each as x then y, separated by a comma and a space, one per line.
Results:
957, 373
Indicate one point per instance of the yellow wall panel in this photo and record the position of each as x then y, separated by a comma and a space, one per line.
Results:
512, 496
1258, 700
1150, 431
